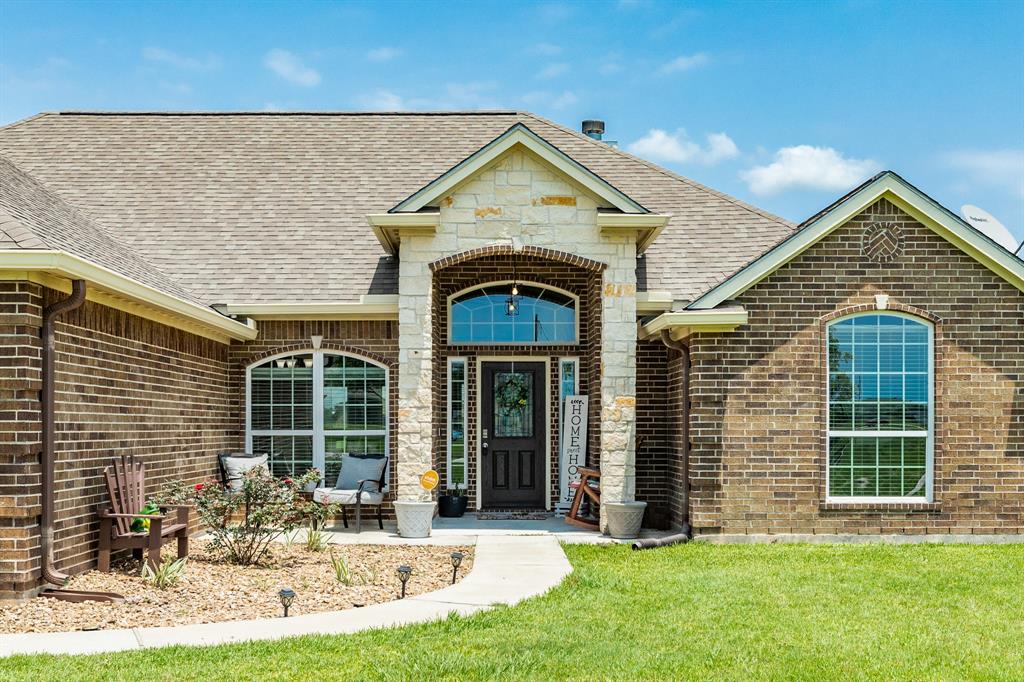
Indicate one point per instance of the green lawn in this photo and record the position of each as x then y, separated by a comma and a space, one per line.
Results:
809, 612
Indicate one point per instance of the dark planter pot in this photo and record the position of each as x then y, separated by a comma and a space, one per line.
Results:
451, 506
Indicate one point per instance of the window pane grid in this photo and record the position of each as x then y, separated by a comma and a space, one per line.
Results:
878, 407
544, 316
457, 422
281, 405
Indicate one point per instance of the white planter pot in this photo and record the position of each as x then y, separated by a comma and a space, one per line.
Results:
414, 518
624, 518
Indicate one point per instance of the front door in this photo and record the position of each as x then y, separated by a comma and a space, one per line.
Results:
512, 434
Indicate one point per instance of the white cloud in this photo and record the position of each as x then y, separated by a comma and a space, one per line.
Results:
566, 99
1001, 168
545, 49
807, 167
176, 88
159, 54
685, 63
553, 13
553, 70
544, 98
659, 145
382, 100
453, 96
384, 54
609, 68
289, 67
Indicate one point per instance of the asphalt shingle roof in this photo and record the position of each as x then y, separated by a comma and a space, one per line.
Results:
32, 217
260, 208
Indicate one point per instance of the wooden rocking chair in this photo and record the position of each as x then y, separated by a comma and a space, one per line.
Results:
126, 484
589, 487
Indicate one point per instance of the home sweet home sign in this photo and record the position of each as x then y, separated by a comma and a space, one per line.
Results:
573, 453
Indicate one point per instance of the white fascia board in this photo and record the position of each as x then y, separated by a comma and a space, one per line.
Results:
908, 198
648, 302
646, 225
682, 322
518, 134
369, 307
74, 267
387, 227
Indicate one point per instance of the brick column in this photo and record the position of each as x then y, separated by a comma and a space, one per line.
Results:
618, 376
415, 418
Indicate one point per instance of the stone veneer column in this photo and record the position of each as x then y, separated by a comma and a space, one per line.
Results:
413, 454
618, 377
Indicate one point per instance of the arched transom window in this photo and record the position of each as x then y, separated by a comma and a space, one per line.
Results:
880, 408
538, 315
308, 409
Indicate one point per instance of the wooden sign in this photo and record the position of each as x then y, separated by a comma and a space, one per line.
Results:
429, 480
573, 453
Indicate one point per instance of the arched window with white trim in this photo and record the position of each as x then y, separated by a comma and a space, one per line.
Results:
513, 313
308, 409
880, 408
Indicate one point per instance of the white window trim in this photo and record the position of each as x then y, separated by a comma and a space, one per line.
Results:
317, 432
465, 406
529, 283
929, 435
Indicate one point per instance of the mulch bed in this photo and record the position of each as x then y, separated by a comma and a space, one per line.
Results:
211, 590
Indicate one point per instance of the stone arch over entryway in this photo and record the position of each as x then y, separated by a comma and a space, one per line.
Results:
527, 252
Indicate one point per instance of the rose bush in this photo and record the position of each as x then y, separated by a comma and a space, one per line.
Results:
242, 523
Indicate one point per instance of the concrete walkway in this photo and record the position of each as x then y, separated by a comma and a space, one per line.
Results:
507, 568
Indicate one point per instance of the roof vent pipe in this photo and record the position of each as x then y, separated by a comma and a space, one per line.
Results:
593, 128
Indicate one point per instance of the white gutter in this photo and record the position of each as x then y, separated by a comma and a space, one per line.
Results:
74, 267
369, 307
682, 323
387, 227
650, 302
647, 226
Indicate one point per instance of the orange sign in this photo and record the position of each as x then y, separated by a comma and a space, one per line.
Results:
429, 480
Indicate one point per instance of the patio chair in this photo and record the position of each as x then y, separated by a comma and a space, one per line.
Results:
126, 485
362, 481
234, 466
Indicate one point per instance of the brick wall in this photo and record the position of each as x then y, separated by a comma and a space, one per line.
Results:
20, 440
124, 385
578, 281
759, 393
653, 432
374, 340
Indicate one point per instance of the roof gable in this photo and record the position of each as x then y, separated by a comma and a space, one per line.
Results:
517, 135
885, 185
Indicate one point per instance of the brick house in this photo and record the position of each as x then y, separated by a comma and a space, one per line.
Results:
433, 286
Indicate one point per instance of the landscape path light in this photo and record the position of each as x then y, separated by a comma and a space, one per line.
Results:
456, 561
403, 574
287, 596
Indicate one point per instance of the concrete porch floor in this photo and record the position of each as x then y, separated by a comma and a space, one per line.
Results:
466, 530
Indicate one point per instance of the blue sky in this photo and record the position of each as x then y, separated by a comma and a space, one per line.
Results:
785, 105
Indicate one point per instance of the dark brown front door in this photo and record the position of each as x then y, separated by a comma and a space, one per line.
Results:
512, 434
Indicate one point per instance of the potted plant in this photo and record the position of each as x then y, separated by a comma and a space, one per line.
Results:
452, 504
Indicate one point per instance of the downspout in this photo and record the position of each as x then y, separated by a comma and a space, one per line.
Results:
686, 532
50, 315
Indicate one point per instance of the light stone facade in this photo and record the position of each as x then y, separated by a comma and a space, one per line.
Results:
522, 200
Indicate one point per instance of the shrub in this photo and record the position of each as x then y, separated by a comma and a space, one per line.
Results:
268, 507
315, 539
164, 575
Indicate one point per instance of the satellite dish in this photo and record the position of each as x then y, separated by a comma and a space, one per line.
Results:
984, 222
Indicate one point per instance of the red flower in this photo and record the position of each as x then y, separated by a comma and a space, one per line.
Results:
200, 486
287, 481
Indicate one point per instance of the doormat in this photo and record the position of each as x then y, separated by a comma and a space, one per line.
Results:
513, 516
